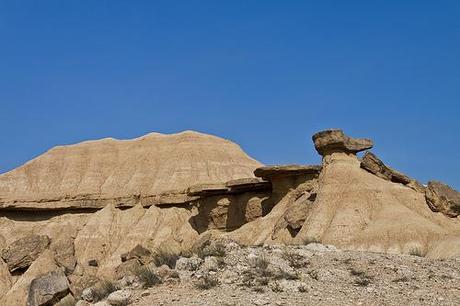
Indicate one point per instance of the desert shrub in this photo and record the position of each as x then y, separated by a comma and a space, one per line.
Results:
401, 279
103, 289
347, 261
165, 256
220, 262
294, 259
415, 251
356, 272
282, 274
362, 278
206, 282
147, 277
362, 281
302, 288
313, 274
261, 263
187, 253
276, 287
309, 240
215, 249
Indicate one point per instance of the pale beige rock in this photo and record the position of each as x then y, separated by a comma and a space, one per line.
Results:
356, 210
138, 252
83, 175
6, 279
22, 252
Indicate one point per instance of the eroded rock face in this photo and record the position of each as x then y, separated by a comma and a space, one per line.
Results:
48, 289
442, 198
22, 252
92, 174
332, 141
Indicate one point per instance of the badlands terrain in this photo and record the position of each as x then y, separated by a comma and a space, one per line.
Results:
190, 219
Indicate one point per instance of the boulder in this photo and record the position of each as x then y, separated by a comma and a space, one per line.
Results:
21, 253
188, 264
48, 289
296, 215
270, 172
138, 252
211, 263
374, 165
442, 198
332, 141
127, 268
119, 297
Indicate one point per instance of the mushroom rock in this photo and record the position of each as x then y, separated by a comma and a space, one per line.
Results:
332, 141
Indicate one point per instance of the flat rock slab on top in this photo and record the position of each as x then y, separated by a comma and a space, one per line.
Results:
248, 184
205, 189
440, 197
331, 141
286, 170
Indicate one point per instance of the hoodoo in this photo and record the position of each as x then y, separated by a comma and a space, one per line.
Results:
99, 209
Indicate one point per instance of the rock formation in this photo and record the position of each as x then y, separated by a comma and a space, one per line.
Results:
374, 165
102, 209
22, 252
48, 289
442, 198
330, 141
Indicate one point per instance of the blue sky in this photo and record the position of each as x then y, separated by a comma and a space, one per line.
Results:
265, 74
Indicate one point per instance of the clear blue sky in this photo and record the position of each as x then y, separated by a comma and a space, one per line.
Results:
265, 74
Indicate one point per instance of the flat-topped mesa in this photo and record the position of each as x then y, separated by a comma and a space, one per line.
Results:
334, 141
